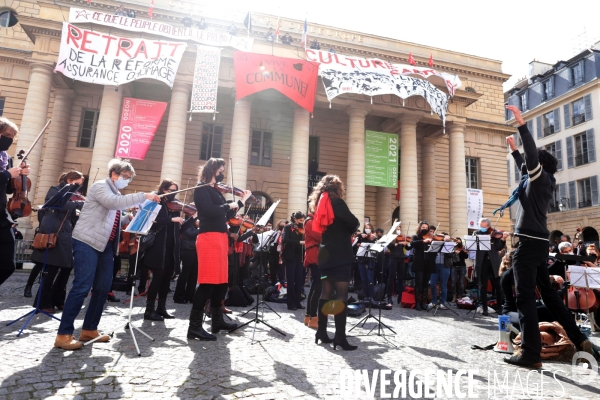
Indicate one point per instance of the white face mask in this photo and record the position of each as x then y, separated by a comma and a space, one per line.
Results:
121, 183
367, 231
398, 232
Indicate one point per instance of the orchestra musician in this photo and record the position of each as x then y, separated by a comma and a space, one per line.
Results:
365, 263
8, 133
95, 243
311, 262
336, 223
212, 247
487, 264
276, 268
293, 242
186, 284
396, 266
420, 268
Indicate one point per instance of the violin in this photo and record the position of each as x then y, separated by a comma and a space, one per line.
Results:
178, 206
403, 238
77, 197
434, 237
241, 222
496, 234
298, 229
223, 188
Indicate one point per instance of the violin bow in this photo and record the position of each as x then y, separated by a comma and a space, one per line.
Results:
185, 190
37, 139
496, 223
185, 197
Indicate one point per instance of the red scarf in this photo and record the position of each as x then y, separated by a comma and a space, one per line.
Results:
323, 214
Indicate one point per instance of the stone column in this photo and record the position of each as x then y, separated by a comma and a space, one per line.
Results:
298, 181
355, 178
428, 183
35, 116
56, 142
240, 142
106, 131
458, 182
172, 163
384, 208
409, 185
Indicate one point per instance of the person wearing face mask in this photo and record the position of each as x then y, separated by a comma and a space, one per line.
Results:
365, 264
164, 254
276, 268
212, 245
487, 264
293, 242
95, 243
186, 284
396, 267
59, 260
559, 267
8, 132
419, 244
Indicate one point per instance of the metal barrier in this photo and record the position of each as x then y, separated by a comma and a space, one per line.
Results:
23, 250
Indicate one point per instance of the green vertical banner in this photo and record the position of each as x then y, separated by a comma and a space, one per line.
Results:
381, 159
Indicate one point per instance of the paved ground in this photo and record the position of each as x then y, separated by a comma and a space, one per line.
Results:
274, 368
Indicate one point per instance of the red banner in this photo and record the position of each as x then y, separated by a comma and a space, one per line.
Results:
296, 79
139, 122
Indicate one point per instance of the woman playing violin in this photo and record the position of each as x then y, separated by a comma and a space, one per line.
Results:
396, 266
419, 244
459, 270
293, 241
212, 248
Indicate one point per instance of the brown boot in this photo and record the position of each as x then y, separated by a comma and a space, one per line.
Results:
313, 322
225, 309
67, 342
86, 336
306, 319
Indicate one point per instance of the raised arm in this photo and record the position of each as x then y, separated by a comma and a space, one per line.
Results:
534, 168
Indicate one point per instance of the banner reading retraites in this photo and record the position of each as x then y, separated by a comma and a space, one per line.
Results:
474, 207
295, 78
206, 80
381, 159
210, 38
139, 121
373, 77
97, 57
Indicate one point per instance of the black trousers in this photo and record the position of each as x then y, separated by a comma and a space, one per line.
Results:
294, 271
7, 253
422, 284
54, 290
487, 273
116, 269
276, 270
396, 268
316, 288
35, 271
530, 269
161, 278
186, 283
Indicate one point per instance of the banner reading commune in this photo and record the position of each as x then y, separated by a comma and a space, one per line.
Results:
381, 159
210, 38
105, 59
295, 78
139, 121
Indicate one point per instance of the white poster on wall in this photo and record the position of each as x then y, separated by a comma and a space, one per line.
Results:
474, 207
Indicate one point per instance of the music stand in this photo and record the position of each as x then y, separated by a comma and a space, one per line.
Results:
589, 278
57, 202
140, 225
444, 248
478, 243
263, 249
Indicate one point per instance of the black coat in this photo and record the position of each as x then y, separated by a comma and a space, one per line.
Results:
62, 254
292, 249
396, 250
5, 188
213, 210
189, 233
422, 261
336, 244
155, 256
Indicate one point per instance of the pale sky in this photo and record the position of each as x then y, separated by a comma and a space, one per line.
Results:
515, 32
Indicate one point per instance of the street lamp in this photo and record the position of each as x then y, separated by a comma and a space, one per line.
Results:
564, 205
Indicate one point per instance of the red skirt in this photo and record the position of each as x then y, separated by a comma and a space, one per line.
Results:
212, 250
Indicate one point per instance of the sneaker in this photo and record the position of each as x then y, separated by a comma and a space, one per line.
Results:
430, 306
442, 307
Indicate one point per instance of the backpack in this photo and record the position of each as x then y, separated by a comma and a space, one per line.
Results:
236, 298
355, 310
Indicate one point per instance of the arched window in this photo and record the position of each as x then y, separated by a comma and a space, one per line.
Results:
555, 237
589, 235
8, 18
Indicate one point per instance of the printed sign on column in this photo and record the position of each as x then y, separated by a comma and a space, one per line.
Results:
474, 207
206, 80
139, 121
381, 159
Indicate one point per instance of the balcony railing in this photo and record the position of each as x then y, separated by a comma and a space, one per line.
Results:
553, 209
549, 130
581, 159
578, 119
586, 203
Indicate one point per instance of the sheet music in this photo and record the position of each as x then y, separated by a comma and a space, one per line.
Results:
263, 238
143, 220
266, 216
364, 250
448, 247
435, 247
584, 277
483, 240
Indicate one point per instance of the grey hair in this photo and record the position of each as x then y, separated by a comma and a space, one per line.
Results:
485, 220
117, 166
563, 245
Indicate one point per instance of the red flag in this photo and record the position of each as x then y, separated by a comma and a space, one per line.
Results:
411, 60
277, 30
89, 2
430, 63
151, 9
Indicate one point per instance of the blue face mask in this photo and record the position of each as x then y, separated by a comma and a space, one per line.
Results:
483, 230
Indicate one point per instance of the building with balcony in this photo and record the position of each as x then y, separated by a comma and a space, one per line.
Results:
561, 106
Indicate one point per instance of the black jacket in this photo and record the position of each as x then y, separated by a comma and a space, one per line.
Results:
336, 245
213, 210
5, 188
167, 242
396, 251
422, 261
292, 249
189, 233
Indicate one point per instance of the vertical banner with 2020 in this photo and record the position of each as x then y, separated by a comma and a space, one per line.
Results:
381, 159
206, 80
474, 207
139, 121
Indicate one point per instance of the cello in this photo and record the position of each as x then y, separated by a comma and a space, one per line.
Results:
581, 299
19, 204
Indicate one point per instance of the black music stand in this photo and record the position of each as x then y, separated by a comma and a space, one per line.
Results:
443, 248
263, 249
57, 202
476, 243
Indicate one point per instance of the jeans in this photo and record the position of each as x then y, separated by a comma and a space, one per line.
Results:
442, 274
365, 267
294, 271
93, 269
7, 253
458, 276
530, 269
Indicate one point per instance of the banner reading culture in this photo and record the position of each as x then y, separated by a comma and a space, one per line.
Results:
105, 59
474, 207
381, 159
297, 79
139, 121
374, 77
78, 15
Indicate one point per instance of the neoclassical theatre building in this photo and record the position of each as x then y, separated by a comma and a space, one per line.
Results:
269, 140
